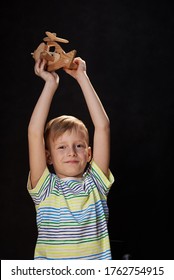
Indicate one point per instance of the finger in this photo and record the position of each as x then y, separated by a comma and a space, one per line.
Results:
37, 66
76, 60
36, 69
43, 64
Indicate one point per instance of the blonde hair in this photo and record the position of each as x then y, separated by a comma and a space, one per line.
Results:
57, 126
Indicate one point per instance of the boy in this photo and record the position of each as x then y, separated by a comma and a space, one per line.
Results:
72, 212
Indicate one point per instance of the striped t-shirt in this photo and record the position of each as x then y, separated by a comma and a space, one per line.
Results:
72, 216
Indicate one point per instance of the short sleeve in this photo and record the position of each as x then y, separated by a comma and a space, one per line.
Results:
103, 183
42, 189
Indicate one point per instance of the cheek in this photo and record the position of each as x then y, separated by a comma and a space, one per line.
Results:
85, 155
57, 156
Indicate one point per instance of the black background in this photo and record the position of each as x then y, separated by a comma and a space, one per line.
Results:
128, 49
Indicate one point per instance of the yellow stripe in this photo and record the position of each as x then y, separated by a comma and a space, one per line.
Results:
78, 250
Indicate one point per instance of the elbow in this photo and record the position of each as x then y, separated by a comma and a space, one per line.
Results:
31, 129
104, 126
34, 131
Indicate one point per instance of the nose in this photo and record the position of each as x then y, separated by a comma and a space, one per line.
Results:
72, 151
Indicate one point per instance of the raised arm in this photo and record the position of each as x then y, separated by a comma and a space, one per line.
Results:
37, 158
101, 145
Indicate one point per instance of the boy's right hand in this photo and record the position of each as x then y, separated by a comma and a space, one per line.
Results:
40, 71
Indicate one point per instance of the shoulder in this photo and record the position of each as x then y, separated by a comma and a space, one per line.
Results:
46, 174
97, 174
44, 187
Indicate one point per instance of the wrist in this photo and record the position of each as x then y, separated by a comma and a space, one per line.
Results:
82, 76
50, 85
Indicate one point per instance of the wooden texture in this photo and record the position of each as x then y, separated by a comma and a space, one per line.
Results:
54, 54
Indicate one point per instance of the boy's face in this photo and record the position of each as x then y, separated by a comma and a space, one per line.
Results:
69, 154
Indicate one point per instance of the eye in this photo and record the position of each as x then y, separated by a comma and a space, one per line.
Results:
80, 146
62, 147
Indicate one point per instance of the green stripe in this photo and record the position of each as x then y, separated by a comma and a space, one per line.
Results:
77, 241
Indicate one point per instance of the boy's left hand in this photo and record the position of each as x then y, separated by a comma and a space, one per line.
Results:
81, 68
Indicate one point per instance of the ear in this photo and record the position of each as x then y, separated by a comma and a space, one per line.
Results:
48, 157
89, 154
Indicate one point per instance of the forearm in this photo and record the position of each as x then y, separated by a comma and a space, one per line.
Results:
41, 110
95, 107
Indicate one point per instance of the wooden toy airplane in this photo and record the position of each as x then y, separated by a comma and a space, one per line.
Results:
56, 57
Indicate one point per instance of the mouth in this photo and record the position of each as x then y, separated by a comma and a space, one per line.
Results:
72, 161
